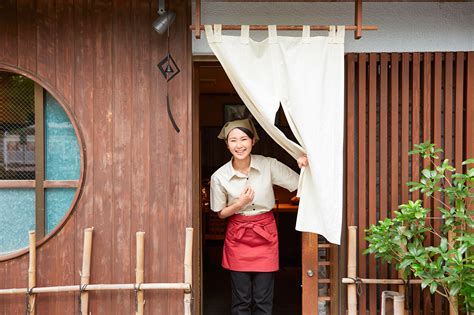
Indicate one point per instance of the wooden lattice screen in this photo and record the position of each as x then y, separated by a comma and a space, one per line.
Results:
394, 100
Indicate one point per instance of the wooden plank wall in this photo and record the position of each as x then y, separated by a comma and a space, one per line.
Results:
99, 58
393, 101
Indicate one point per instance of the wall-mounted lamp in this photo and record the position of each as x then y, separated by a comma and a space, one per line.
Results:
165, 19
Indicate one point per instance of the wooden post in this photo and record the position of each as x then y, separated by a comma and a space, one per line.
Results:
32, 272
86, 268
139, 272
352, 270
188, 270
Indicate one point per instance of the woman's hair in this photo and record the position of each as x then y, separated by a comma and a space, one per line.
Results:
246, 131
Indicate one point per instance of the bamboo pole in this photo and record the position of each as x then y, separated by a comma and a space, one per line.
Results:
100, 287
188, 270
352, 270
380, 281
86, 268
139, 272
32, 272
399, 304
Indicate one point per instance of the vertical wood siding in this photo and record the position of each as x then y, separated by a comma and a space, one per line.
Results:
100, 58
394, 101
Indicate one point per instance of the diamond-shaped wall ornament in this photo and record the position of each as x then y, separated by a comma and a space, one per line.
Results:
168, 67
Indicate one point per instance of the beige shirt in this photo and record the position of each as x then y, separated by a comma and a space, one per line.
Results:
227, 184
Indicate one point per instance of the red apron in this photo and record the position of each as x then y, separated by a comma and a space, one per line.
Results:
251, 243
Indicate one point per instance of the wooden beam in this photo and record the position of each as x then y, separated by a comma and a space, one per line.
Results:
39, 161
358, 19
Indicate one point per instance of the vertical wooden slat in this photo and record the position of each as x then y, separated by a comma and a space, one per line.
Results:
372, 170
415, 159
141, 123
26, 31
64, 54
405, 87
362, 207
448, 108
470, 106
350, 140
394, 136
309, 244
46, 53
102, 125
383, 174
159, 185
438, 304
459, 99
122, 140
9, 32
66, 273
84, 111
427, 137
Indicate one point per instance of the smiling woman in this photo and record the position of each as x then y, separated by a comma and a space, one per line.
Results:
40, 162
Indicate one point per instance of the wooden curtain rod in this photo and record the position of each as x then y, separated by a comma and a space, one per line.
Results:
288, 27
357, 28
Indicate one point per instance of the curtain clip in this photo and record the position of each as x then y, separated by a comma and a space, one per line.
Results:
306, 34
272, 34
244, 34
217, 33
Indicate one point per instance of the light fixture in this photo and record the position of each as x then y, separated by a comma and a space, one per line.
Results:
168, 67
165, 19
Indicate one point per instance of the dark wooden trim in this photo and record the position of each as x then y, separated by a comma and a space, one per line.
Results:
39, 162
61, 184
17, 184
459, 115
309, 257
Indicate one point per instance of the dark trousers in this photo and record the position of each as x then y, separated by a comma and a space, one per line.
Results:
252, 292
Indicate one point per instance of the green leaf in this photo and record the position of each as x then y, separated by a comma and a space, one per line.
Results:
444, 244
468, 161
455, 289
433, 287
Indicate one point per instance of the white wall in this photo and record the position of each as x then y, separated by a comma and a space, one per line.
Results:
415, 26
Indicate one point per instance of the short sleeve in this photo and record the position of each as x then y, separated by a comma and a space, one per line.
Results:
283, 176
218, 196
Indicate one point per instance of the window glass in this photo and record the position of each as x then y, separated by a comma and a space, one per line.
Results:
58, 201
17, 217
62, 148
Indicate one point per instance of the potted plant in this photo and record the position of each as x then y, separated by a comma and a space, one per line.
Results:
447, 268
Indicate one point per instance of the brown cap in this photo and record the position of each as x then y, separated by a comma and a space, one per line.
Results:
244, 123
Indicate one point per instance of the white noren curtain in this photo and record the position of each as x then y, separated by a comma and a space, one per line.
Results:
306, 76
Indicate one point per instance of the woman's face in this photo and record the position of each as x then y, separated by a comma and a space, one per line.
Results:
239, 144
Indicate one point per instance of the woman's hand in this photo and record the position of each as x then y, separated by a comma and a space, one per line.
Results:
302, 161
246, 196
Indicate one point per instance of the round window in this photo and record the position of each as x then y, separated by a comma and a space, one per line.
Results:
40, 162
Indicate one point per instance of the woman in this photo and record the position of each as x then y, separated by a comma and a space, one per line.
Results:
242, 191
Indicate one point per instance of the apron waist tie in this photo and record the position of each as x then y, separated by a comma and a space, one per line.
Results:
259, 229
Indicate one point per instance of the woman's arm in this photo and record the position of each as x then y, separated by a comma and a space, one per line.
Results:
245, 197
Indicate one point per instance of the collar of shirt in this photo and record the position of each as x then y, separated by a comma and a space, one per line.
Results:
231, 172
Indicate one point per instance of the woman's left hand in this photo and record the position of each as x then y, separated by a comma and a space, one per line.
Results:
302, 161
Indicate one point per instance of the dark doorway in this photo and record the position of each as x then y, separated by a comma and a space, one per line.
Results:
216, 99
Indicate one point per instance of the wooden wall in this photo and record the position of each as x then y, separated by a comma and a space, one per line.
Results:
392, 102
99, 59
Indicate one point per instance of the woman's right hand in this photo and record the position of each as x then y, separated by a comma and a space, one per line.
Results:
246, 196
